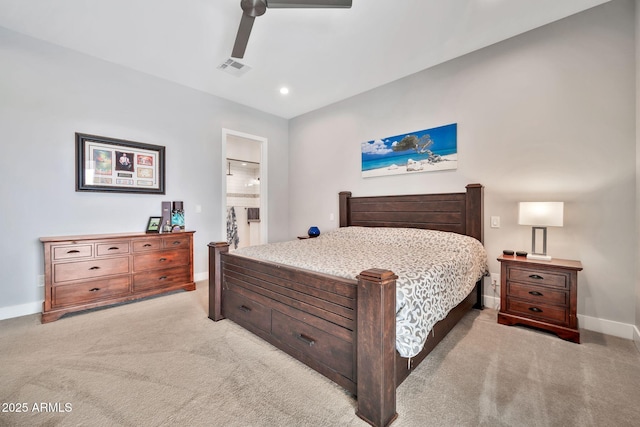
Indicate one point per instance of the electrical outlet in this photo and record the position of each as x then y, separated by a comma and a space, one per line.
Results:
495, 280
495, 222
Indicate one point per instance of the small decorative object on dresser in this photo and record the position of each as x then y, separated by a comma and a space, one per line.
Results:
314, 231
541, 294
154, 225
82, 272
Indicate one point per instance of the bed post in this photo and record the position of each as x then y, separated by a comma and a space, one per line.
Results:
345, 211
475, 226
376, 347
215, 279
475, 211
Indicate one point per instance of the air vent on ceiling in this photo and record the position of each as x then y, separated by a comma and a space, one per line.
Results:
234, 67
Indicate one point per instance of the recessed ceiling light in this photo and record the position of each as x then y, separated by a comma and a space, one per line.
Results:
284, 90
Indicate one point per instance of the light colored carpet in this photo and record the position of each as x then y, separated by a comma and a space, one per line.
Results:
162, 362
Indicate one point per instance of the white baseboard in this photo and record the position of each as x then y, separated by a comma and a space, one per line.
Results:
20, 310
492, 302
608, 327
36, 307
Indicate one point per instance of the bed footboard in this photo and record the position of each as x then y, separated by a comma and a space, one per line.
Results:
370, 353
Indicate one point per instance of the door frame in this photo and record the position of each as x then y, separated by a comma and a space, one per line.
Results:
264, 187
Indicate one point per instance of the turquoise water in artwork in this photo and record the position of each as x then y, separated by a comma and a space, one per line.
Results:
379, 153
401, 160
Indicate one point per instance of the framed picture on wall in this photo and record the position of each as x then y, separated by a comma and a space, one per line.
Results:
117, 165
426, 150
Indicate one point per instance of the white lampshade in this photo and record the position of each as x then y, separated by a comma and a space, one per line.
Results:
544, 214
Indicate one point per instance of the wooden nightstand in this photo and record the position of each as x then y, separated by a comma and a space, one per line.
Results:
541, 294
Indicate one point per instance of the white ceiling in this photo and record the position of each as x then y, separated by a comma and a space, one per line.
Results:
322, 55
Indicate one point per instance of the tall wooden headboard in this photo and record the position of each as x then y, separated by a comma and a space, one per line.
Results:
456, 212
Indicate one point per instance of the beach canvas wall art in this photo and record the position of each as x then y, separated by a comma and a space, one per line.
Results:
426, 150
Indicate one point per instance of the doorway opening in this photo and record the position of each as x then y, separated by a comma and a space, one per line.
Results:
245, 189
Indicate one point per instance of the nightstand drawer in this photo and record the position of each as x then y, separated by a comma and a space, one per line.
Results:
537, 294
543, 312
538, 277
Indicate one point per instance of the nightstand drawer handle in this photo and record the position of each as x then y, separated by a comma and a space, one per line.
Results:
95, 268
305, 339
535, 293
146, 245
177, 242
244, 308
162, 259
162, 278
535, 276
113, 248
94, 289
535, 309
73, 251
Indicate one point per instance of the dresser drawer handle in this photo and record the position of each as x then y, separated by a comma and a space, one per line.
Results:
177, 242
535, 309
95, 267
535, 293
146, 245
162, 259
535, 276
162, 278
94, 289
305, 339
113, 248
244, 308
73, 251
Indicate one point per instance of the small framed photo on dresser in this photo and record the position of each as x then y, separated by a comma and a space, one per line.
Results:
153, 226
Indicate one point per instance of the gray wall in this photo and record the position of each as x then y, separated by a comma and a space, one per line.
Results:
48, 93
637, 260
547, 115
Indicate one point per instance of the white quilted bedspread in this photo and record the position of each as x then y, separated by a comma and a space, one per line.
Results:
436, 270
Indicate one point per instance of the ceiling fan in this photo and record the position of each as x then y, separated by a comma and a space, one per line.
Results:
253, 8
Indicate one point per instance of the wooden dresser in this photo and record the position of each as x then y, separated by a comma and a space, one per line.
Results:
541, 294
82, 272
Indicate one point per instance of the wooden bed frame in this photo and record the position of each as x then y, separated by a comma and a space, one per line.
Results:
344, 329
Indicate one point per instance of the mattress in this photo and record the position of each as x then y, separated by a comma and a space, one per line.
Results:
436, 270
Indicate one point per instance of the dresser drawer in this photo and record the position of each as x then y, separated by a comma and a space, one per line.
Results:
68, 271
72, 252
314, 343
537, 294
160, 259
538, 277
546, 313
112, 248
246, 311
87, 292
146, 245
156, 279
176, 241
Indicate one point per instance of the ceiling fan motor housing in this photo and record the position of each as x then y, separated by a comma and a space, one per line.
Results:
254, 7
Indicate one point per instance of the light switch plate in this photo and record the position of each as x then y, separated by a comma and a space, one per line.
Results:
495, 222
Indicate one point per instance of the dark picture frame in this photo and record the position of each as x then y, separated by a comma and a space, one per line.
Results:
154, 224
119, 166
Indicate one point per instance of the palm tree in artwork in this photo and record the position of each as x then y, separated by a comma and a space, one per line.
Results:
420, 145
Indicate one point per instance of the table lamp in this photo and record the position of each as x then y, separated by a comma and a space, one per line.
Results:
540, 215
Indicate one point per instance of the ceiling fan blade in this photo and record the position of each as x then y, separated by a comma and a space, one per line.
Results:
242, 38
281, 4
